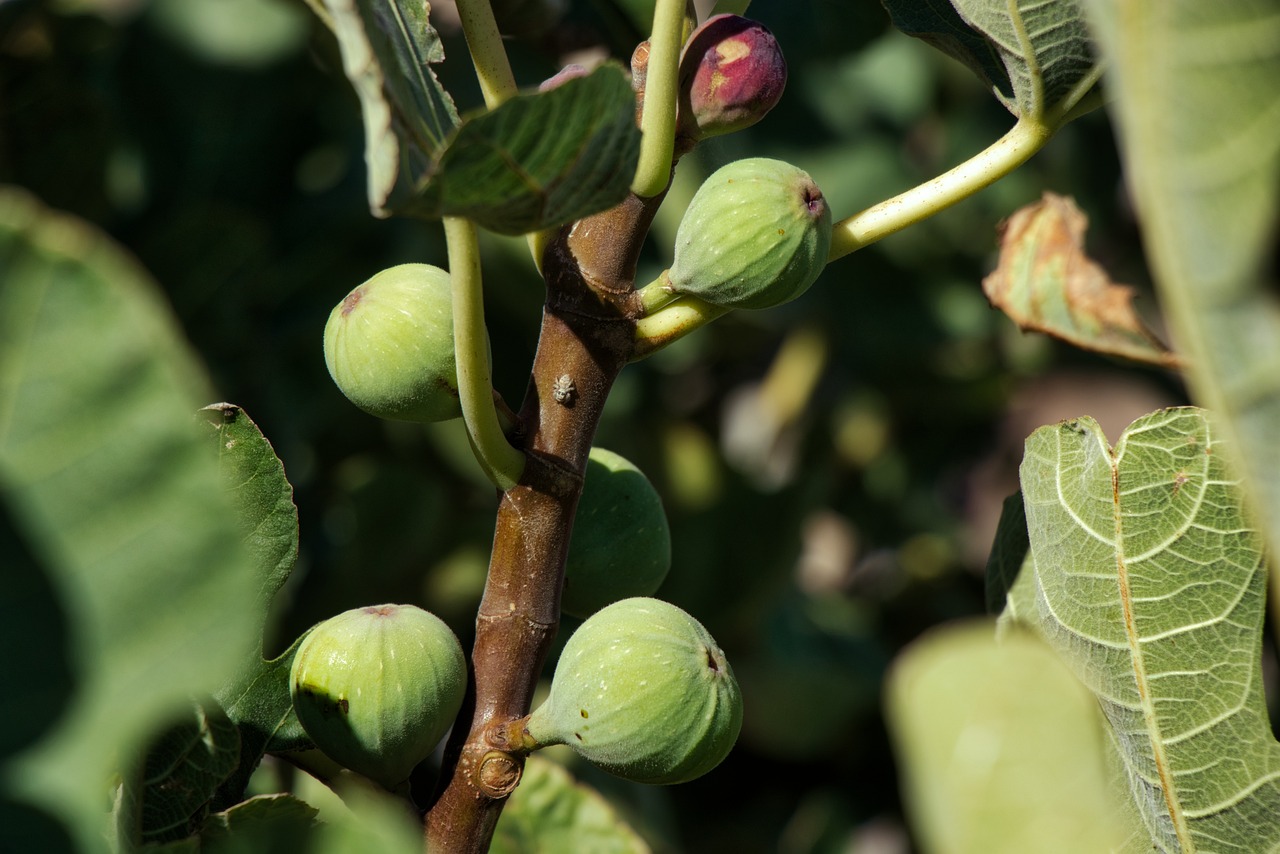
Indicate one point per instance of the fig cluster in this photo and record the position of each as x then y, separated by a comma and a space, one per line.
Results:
642, 691
377, 688
389, 345
621, 543
755, 235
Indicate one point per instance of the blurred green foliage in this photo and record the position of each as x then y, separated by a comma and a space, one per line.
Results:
220, 143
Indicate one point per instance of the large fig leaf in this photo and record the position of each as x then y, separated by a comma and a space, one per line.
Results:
537, 161
108, 482
1036, 54
1196, 90
1000, 747
1149, 583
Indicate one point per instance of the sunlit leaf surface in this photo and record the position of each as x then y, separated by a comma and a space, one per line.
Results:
1149, 583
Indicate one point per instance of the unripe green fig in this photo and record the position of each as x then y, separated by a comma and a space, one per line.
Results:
389, 345
755, 235
621, 543
377, 688
732, 73
642, 691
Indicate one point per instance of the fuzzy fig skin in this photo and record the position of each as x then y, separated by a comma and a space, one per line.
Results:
755, 235
377, 688
389, 345
642, 691
732, 73
621, 543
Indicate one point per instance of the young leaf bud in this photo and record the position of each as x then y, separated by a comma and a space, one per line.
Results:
755, 235
389, 345
377, 688
642, 691
621, 544
732, 73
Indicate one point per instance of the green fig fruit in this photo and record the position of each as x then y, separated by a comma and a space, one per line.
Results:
621, 543
642, 691
389, 345
755, 235
377, 688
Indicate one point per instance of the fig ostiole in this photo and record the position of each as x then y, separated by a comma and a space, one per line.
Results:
732, 73
642, 691
389, 345
756, 235
377, 688
621, 542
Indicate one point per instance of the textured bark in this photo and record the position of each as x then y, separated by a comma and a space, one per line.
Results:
587, 337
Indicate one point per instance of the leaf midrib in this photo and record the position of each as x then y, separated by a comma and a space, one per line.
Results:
1154, 734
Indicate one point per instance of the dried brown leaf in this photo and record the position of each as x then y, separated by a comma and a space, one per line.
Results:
1046, 283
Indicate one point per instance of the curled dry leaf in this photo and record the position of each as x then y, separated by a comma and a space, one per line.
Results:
1045, 282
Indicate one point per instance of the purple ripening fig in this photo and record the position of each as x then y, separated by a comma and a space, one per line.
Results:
732, 72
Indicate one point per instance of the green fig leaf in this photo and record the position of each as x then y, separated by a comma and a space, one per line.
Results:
542, 159
1000, 746
1149, 583
262, 495
536, 161
117, 496
1037, 56
1196, 103
183, 768
261, 825
550, 811
257, 700
388, 47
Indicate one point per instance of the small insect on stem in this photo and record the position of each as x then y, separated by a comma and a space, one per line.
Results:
564, 390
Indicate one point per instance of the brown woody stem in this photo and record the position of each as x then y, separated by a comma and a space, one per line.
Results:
588, 333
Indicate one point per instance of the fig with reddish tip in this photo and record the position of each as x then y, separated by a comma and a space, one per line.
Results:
732, 73
389, 345
377, 688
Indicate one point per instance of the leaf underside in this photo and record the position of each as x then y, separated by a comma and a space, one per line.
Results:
1149, 582
1036, 55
